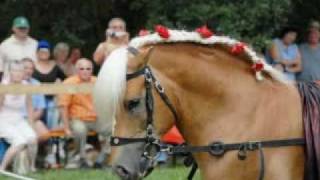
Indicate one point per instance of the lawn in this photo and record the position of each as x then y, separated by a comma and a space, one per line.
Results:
163, 173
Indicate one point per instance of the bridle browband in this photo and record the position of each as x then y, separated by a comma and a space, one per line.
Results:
216, 149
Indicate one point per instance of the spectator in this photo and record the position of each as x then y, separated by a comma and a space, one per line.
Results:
19, 45
47, 71
284, 53
116, 36
310, 53
75, 55
13, 127
60, 54
38, 100
78, 111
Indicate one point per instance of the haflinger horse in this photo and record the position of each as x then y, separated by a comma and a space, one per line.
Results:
211, 94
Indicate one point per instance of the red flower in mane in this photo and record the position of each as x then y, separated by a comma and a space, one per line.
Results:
258, 66
238, 48
144, 32
162, 31
204, 31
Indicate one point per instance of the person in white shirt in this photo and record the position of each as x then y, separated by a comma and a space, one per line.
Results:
18, 46
14, 128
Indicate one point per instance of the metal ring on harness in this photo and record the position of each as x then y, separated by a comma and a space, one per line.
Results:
151, 150
217, 149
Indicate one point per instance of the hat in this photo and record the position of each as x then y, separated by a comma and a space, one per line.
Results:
43, 44
21, 22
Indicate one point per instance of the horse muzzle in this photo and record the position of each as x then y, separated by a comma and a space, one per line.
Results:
146, 166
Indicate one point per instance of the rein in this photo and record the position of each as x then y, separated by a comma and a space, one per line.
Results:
217, 149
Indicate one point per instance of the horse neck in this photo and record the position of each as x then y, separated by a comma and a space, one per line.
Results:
218, 98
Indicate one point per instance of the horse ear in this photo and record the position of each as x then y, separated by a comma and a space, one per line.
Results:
140, 59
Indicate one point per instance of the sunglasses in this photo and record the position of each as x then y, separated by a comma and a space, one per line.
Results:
116, 27
23, 28
82, 69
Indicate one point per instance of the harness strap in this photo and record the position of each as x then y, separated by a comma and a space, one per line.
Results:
136, 74
219, 148
120, 141
262, 165
193, 171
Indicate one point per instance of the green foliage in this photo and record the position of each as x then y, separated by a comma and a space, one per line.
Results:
254, 21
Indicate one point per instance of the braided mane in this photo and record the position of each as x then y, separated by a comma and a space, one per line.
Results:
194, 37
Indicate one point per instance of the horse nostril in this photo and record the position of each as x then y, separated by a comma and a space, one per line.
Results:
122, 172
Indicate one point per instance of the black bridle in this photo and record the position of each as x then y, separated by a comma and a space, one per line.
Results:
149, 139
216, 149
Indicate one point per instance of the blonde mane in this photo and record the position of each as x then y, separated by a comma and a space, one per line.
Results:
111, 81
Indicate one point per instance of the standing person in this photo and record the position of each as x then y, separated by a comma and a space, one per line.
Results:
284, 53
13, 127
38, 101
61, 55
310, 53
19, 45
116, 36
47, 71
78, 111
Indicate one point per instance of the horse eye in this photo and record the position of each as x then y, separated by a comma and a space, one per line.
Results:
132, 104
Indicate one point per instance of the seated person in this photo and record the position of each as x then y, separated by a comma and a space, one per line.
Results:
77, 110
14, 128
38, 101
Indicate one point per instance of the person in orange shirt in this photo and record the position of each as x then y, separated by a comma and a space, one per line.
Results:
78, 112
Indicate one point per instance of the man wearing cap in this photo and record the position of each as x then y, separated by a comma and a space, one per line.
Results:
19, 45
310, 54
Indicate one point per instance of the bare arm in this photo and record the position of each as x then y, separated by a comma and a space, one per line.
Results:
99, 54
296, 67
30, 110
104, 49
1, 100
65, 117
37, 113
274, 53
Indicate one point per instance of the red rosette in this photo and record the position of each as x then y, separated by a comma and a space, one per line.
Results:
162, 31
144, 32
204, 31
238, 48
258, 66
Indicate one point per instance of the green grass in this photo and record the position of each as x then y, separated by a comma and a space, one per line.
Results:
177, 173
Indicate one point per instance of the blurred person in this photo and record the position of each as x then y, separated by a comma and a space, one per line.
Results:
17, 131
116, 36
47, 71
19, 45
38, 100
75, 54
284, 53
310, 53
78, 111
61, 53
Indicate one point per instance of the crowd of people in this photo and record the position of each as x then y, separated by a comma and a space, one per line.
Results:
298, 63
26, 120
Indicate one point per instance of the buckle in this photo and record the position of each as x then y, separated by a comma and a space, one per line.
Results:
147, 75
158, 87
